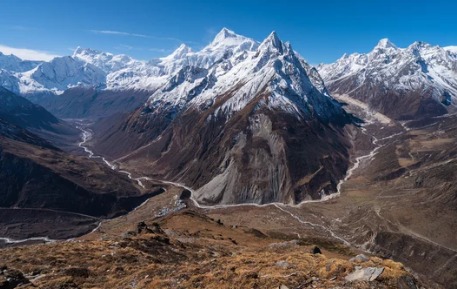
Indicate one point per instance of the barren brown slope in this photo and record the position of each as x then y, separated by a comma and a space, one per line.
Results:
20, 112
190, 250
400, 105
401, 202
40, 180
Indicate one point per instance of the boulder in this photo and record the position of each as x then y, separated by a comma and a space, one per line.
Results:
359, 258
156, 229
141, 227
185, 195
365, 274
283, 264
316, 250
10, 278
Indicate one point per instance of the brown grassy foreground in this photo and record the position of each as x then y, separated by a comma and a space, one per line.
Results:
190, 250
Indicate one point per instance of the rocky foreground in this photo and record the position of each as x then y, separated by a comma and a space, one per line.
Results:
191, 250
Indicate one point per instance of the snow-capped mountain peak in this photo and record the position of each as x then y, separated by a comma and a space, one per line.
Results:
179, 53
106, 61
273, 68
272, 40
385, 43
227, 39
65, 72
272, 44
223, 35
417, 46
11, 63
8, 58
81, 52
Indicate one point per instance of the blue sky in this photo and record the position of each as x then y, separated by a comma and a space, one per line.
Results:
320, 30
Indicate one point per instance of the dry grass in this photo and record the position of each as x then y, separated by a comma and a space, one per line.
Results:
196, 252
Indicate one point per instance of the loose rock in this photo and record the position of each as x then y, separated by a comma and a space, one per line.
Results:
10, 278
316, 250
141, 227
359, 258
283, 264
365, 274
156, 229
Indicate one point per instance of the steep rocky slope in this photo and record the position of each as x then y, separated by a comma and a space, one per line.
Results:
92, 103
37, 176
20, 112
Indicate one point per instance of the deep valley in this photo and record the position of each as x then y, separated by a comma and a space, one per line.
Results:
236, 166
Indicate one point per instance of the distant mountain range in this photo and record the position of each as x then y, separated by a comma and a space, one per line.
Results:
403, 83
400, 82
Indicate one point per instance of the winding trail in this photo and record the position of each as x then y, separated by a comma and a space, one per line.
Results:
313, 224
18, 241
87, 135
54, 211
44, 239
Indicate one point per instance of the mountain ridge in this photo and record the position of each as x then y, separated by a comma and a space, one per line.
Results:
244, 105
404, 83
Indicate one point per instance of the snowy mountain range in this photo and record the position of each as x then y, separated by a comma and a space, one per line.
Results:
236, 60
235, 96
91, 68
419, 69
389, 73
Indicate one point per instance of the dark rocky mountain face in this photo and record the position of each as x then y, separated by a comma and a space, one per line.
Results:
20, 112
258, 156
81, 102
37, 175
14, 132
